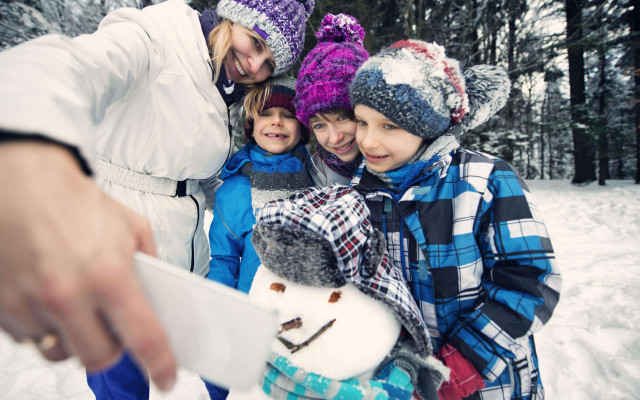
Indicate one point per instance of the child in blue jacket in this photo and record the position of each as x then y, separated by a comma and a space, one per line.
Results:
273, 165
461, 224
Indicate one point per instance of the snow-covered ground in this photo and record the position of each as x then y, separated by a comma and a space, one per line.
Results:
589, 350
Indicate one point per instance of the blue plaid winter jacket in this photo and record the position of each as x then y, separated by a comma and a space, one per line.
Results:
479, 261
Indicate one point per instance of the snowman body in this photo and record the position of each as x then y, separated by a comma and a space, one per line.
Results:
348, 333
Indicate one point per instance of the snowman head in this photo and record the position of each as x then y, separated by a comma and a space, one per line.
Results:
338, 332
323, 261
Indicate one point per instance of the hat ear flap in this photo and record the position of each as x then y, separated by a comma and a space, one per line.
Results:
488, 88
374, 254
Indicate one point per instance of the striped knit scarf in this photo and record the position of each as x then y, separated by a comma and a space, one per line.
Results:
283, 380
346, 169
427, 158
276, 176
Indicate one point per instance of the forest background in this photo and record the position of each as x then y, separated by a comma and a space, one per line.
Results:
574, 108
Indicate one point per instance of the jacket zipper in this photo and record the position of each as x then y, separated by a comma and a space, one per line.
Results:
193, 237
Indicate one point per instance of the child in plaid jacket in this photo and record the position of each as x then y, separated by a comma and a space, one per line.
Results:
461, 224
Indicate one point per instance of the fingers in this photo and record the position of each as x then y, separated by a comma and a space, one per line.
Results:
142, 232
140, 331
126, 307
66, 265
50, 345
74, 310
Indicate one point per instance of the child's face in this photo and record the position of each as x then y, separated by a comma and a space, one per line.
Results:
337, 134
250, 59
276, 130
384, 144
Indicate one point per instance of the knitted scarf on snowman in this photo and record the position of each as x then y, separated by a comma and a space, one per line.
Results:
284, 380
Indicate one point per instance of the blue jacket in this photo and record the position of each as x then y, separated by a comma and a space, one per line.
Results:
234, 261
479, 261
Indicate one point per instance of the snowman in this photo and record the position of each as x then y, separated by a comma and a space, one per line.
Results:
350, 328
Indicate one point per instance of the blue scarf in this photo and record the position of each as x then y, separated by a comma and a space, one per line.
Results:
426, 159
272, 176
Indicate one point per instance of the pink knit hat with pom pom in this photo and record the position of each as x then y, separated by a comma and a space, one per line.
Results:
328, 69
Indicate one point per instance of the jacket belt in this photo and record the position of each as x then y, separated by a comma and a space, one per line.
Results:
143, 182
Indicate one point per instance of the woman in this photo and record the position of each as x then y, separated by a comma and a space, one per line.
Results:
135, 104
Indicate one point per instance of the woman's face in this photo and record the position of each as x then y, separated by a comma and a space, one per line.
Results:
337, 134
250, 60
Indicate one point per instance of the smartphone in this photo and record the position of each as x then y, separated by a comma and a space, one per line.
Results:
214, 331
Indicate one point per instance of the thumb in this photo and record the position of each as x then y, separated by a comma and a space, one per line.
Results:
143, 235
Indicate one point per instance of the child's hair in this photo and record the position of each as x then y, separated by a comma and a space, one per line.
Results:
256, 99
343, 112
274, 92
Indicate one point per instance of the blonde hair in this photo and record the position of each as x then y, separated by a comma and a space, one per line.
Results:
257, 97
219, 44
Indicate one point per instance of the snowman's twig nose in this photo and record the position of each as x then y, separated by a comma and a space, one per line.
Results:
293, 324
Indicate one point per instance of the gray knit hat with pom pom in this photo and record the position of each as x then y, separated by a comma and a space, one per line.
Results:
416, 86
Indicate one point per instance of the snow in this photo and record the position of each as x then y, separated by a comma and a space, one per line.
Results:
590, 349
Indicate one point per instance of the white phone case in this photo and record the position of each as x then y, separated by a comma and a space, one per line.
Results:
214, 331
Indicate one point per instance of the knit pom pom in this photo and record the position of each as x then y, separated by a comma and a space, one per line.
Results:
488, 88
308, 6
340, 28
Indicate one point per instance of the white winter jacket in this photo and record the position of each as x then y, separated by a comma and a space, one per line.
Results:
138, 94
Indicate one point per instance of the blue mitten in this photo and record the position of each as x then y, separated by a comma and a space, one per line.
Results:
426, 373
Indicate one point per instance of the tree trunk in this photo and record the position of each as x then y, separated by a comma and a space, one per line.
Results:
635, 31
549, 140
543, 128
508, 153
603, 141
582, 144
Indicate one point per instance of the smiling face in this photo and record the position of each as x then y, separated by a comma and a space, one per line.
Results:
250, 59
276, 130
336, 132
383, 143
354, 332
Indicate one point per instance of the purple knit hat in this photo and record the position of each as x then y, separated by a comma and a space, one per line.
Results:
328, 69
281, 24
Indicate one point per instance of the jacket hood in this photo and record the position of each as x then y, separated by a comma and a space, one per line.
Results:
235, 163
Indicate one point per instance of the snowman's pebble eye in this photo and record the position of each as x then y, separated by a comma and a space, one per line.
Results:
277, 287
335, 296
